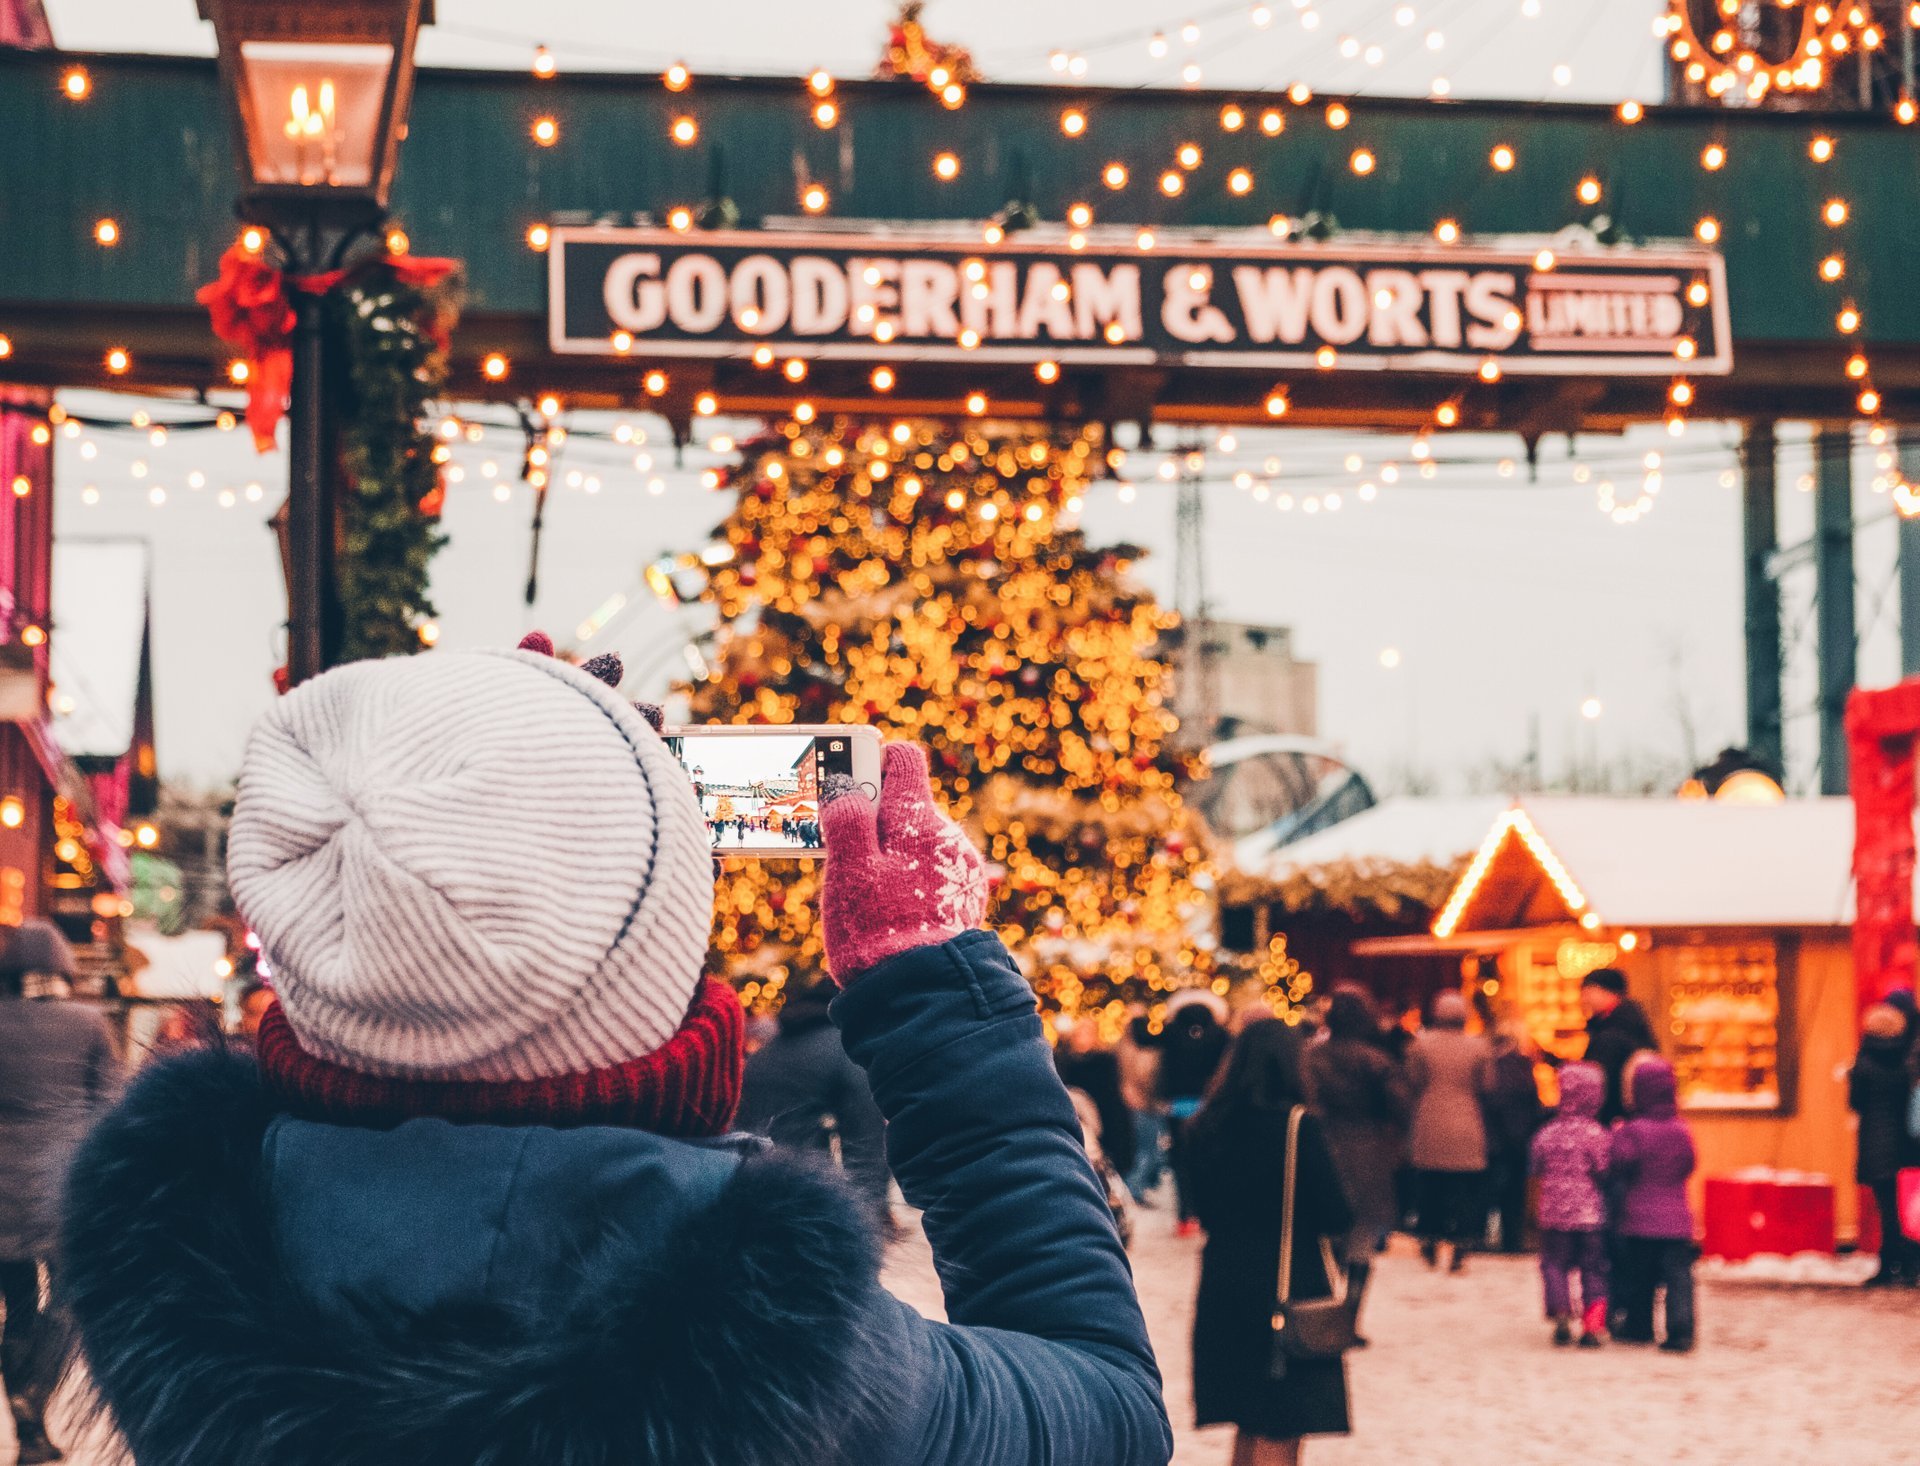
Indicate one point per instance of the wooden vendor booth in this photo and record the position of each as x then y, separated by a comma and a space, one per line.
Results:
1731, 922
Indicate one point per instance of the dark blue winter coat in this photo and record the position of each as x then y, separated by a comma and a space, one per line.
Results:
256, 1290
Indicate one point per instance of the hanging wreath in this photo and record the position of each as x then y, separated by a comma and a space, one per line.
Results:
389, 318
392, 327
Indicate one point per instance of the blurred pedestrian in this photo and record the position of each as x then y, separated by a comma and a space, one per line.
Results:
1617, 1029
1194, 1042
1447, 1071
1570, 1160
801, 1091
57, 1067
1138, 1054
1086, 1064
1240, 1179
1652, 1159
1881, 1094
1513, 1113
479, 1199
1360, 1097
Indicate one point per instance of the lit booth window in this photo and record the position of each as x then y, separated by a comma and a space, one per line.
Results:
1723, 1014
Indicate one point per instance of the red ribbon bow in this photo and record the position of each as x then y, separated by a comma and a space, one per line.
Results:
250, 310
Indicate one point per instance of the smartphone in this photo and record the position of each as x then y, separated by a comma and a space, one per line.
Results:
759, 786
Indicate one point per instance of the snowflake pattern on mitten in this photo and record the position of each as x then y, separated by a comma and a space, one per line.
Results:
900, 875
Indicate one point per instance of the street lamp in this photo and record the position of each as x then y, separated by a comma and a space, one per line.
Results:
318, 92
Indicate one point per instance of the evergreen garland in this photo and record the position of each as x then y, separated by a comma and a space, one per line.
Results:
393, 337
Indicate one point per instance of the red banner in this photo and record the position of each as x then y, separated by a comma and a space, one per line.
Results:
1883, 728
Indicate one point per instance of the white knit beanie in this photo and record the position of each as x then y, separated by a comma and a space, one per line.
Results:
471, 866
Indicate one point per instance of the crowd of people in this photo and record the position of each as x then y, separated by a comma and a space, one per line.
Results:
631, 1233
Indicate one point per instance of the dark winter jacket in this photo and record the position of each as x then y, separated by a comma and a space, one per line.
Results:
1360, 1097
255, 1290
1613, 1039
1448, 1072
1238, 1162
1511, 1103
1653, 1157
1878, 1089
1570, 1155
802, 1091
56, 1067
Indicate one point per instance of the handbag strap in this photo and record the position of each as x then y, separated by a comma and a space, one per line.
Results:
1289, 1188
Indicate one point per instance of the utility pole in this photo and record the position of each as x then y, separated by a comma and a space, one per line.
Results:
1199, 692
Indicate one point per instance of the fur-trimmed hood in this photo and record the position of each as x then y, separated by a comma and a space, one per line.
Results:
259, 1291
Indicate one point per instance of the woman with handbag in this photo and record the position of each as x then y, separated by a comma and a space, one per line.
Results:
1268, 1343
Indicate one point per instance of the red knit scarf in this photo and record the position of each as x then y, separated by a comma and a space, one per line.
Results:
689, 1086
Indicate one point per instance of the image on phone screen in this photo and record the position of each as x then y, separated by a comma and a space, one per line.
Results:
761, 795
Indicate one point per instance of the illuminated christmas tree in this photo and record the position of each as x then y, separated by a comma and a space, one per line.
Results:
932, 582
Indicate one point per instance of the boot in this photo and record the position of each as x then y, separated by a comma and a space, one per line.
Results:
1562, 1333
1458, 1264
1357, 1275
1430, 1252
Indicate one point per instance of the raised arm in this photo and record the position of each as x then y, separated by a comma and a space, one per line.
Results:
1046, 1359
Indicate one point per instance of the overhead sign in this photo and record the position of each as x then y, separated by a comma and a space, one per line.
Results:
1418, 306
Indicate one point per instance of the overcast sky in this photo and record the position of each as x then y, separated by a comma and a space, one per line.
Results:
1500, 602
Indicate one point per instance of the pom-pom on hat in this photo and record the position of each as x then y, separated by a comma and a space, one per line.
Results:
476, 868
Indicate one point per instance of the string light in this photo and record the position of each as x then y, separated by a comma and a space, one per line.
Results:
1848, 320
1114, 175
397, 241
813, 198
1680, 394
1189, 156
820, 83
825, 114
494, 367
882, 379
655, 383
1588, 191
1277, 403
238, 371
1047, 371
1489, 370
545, 131
1835, 213
680, 218
1502, 158
1820, 149
118, 360
6, 346
1171, 183
685, 131
1868, 401
677, 78
1707, 230
1713, 157
544, 65
1232, 118
1337, 116
1833, 267
106, 233
76, 84
1447, 231
946, 167
795, 369
1362, 161
1073, 122
1630, 112
1272, 123
1240, 181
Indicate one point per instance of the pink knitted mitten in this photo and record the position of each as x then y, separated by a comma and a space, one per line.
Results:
898, 876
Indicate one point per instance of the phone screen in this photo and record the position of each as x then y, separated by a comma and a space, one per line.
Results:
761, 793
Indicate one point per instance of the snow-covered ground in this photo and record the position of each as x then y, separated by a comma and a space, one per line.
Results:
1461, 1372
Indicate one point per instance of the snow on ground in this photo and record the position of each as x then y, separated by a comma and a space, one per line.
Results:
1461, 1371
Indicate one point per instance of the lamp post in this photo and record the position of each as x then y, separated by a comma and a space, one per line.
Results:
317, 92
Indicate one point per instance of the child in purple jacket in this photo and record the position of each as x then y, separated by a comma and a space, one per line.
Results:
1653, 1156
1569, 1158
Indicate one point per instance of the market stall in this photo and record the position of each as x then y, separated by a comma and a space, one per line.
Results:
1731, 923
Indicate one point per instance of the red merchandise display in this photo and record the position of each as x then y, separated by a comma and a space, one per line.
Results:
1883, 728
1780, 1212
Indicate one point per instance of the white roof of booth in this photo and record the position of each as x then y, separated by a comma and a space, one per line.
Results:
1395, 832
1673, 862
